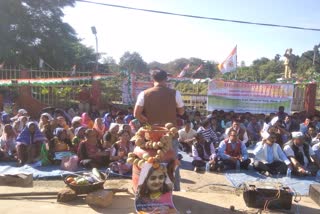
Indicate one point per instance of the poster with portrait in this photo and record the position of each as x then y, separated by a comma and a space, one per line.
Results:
154, 193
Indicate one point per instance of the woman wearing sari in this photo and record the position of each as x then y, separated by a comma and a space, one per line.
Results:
86, 120
29, 143
99, 127
8, 143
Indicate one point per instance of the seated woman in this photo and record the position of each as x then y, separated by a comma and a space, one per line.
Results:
99, 127
60, 146
90, 152
86, 120
79, 135
119, 153
154, 190
29, 143
45, 119
20, 124
8, 143
111, 136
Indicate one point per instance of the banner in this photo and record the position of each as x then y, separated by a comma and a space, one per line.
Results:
248, 97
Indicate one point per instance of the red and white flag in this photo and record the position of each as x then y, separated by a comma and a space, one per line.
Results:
1, 65
73, 70
184, 71
197, 70
230, 63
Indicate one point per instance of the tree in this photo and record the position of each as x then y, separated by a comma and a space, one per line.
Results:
110, 65
33, 29
133, 62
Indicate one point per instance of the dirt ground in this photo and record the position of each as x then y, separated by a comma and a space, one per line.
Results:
200, 193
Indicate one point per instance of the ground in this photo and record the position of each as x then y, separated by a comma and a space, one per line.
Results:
201, 193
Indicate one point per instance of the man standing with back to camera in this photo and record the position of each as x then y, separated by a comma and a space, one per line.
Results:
160, 105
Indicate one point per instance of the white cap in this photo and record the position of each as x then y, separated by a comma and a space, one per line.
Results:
22, 111
296, 134
76, 119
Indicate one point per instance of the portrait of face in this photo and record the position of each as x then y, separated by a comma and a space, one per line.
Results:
156, 181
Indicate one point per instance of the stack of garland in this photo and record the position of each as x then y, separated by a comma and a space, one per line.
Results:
142, 139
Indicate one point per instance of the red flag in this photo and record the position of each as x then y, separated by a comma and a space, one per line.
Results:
197, 70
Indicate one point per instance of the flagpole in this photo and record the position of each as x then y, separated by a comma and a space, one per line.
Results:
236, 62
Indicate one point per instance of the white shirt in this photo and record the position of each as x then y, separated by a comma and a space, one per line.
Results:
289, 152
179, 101
183, 135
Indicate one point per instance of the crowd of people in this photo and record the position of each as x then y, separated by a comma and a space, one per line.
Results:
217, 142
280, 142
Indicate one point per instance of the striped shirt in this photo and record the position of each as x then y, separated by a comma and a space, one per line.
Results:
209, 135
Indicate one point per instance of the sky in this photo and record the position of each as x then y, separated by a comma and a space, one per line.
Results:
164, 38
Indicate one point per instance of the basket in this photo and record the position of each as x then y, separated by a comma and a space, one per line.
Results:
155, 133
85, 189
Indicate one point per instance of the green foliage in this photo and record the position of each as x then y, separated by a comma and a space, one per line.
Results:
33, 29
111, 89
133, 62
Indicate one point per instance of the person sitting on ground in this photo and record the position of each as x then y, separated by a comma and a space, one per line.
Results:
197, 121
20, 124
312, 137
29, 143
90, 153
316, 150
94, 112
186, 137
8, 143
233, 151
269, 157
62, 123
290, 125
79, 135
107, 120
203, 152
216, 127
129, 115
111, 136
86, 120
21, 112
281, 113
60, 145
119, 153
75, 123
241, 132
304, 125
301, 155
99, 127
253, 130
207, 132
45, 119
127, 128
5, 118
